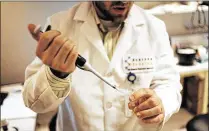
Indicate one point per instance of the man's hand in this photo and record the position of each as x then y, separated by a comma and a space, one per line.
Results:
55, 50
147, 106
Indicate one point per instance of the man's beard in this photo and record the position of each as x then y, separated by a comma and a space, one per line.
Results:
109, 16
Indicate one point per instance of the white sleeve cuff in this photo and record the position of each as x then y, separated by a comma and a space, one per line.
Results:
171, 101
59, 86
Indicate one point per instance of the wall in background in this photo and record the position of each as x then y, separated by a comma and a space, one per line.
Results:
17, 46
176, 23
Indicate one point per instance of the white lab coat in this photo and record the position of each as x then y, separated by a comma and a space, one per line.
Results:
91, 105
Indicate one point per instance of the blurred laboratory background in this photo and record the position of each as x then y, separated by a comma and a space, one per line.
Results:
187, 26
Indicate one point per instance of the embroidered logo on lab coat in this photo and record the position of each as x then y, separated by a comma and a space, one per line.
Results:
137, 64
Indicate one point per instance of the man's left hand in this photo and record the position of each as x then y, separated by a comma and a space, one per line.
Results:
147, 106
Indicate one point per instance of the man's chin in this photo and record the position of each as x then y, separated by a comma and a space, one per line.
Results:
119, 19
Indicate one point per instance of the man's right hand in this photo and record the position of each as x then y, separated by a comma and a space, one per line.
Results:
55, 50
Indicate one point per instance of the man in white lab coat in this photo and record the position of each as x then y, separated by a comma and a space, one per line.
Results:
129, 47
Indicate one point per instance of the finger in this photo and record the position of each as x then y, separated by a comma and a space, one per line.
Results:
154, 120
51, 52
135, 110
133, 104
35, 34
149, 103
72, 57
37, 29
61, 56
141, 93
56, 45
150, 112
140, 100
71, 60
45, 39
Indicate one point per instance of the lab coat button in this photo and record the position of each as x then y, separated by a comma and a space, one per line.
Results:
108, 105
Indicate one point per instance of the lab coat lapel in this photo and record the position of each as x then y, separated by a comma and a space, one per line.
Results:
90, 30
125, 41
128, 36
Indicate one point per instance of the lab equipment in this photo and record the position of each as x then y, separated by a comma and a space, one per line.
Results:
83, 64
201, 18
186, 56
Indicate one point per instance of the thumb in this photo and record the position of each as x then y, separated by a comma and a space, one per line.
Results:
35, 31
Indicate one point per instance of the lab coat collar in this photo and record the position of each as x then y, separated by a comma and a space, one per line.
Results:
82, 11
89, 27
135, 18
